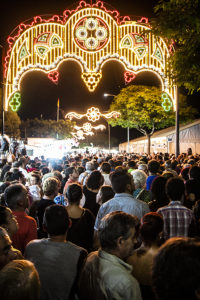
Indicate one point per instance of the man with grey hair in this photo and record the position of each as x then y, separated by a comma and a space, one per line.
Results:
143, 167
106, 275
89, 167
168, 168
139, 178
123, 186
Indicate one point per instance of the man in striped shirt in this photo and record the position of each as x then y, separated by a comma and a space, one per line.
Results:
178, 219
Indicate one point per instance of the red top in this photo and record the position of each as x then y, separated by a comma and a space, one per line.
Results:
27, 230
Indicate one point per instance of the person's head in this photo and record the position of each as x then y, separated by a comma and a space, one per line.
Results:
194, 173
144, 160
192, 190
132, 164
22, 162
139, 178
117, 233
105, 193
106, 167
151, 228
56, 220
19, 280
5, 169
45, 170
74, 193
153, 166
57, 167
84, 161
80, 169
143, 167
95, 180
167, 174
189, 151
168, 164
8, 220
112, 163
72, 173
174, 164
158, 190
175, 188
57, 175
122, 182
6, 251
13, 175
191, 162
50, 187
176, 270
16, 197
89, 166
3, 186
35, 179
185, 173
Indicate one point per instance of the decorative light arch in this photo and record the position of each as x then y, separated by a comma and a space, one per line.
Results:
91, 35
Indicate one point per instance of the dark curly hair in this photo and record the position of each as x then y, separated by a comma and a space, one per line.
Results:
95, 180
74, 193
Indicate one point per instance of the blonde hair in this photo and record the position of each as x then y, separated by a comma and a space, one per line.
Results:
50, 185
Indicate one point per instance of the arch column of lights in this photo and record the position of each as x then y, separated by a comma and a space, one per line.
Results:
93, 114
91, 35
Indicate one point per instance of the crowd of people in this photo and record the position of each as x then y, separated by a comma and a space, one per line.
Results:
100, 226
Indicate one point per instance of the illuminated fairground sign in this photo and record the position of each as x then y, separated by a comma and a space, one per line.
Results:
91, 35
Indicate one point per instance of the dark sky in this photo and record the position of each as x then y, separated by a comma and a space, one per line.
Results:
39, 94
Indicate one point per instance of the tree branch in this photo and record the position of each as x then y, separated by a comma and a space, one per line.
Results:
152, 131
141, 130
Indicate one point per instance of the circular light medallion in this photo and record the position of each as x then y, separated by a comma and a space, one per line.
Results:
87, 127
81, 33
91, 43
101, 33
91, 23
91, 33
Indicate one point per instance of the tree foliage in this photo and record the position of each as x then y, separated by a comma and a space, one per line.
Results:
141, 108
11, 121
180, 21
47, 128
12, 124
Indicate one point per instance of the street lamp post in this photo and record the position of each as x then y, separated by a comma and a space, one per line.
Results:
177, 142
58, 107
108, 136
128, 140
107, 95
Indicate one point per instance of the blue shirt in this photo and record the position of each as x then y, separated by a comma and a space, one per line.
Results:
60, 199
122, 202
149, 181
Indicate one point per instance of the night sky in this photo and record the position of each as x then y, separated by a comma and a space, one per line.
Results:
39, 94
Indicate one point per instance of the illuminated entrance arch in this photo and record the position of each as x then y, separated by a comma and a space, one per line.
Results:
91, 35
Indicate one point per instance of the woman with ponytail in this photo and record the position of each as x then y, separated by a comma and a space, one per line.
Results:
82, 228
